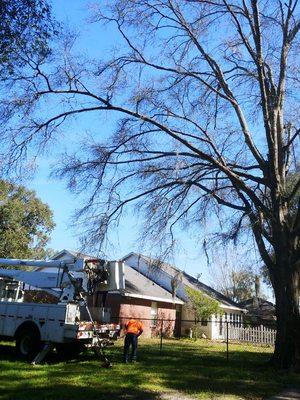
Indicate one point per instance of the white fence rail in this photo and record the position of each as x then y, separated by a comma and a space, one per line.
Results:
259, 335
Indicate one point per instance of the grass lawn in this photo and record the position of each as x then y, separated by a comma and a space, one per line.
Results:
193, 368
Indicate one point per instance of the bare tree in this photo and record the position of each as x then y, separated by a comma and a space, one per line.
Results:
233, 275
208, 92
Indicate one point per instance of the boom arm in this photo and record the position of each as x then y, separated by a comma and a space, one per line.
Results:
75, 278
76, 265
43, 280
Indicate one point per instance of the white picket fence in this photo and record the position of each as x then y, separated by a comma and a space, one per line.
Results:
259, 335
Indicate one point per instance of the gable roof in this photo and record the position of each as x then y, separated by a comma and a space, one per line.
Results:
70, 253
164, 274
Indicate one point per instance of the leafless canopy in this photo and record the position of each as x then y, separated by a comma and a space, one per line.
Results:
208, 98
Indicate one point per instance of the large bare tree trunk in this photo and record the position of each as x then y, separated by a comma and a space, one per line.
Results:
286, 288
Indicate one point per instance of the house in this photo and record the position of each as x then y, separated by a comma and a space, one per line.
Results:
260, 311
175, 281
142, 298
155, 291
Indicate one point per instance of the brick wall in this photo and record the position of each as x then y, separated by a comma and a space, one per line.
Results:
165, 312
123, 308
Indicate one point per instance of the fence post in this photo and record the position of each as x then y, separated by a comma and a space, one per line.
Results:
227, 342
161, 335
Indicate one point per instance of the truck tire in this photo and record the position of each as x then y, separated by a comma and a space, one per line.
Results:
28, 343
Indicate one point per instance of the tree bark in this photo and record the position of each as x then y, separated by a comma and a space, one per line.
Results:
287, 346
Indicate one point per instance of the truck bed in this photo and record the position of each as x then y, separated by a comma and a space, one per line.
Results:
57, 323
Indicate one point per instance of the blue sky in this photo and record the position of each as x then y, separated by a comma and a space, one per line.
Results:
95, 40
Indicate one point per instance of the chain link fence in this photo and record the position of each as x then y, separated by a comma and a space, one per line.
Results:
226, 337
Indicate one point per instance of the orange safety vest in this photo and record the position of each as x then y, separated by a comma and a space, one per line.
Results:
134, 326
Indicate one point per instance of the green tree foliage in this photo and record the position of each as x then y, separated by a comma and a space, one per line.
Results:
203, 306
233, 273
25, 29
237, 284
241, 285
25, 223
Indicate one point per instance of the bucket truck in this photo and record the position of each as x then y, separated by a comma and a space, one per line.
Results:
67, 325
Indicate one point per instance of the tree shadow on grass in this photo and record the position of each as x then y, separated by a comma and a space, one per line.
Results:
69, 379
7, 352
205, 371
246, 374
68, 392
187, 369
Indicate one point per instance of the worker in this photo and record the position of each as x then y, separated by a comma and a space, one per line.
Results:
134, 329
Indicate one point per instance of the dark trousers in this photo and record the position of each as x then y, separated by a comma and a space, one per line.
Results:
130, 340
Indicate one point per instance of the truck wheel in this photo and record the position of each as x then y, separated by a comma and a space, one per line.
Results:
28, 343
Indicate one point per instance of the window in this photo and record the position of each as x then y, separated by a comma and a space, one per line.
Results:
204, 322
153, 322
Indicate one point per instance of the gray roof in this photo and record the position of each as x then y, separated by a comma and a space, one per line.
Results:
72, 253
260, 308
138, 284
185, 280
